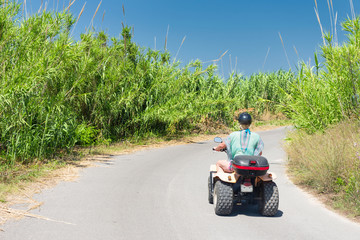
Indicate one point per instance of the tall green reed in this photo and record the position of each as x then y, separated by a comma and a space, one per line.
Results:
57, 92
329, 94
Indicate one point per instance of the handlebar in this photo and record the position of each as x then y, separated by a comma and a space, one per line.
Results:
222, 150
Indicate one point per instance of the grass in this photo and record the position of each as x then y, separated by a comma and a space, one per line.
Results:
329, 162
16, 177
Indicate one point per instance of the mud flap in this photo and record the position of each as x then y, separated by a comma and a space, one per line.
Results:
269, 176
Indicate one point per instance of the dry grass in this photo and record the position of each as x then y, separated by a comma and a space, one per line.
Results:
329, 163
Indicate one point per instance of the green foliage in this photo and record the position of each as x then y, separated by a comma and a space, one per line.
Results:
57, 93
331, 94
262, 91
86, 134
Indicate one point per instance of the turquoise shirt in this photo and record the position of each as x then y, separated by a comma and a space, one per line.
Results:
244, 142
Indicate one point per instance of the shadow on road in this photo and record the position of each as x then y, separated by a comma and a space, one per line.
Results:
251, 211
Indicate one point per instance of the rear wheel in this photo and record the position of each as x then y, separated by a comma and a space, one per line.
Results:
269, 203
211, 198
223, 198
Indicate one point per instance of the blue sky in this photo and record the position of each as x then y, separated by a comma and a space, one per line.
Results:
248, 30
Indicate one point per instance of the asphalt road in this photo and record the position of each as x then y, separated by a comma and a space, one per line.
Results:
162, 194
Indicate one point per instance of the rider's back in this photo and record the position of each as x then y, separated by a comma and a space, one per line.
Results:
245, 142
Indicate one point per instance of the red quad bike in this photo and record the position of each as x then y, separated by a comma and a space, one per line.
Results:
249, 183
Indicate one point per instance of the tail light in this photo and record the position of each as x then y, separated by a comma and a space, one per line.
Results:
247, 182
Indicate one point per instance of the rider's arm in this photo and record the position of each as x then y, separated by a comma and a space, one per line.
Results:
259, 148
220, 147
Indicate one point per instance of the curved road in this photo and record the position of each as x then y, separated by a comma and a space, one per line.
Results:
162, 194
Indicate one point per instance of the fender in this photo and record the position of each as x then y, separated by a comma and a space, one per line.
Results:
269, 176
225, 177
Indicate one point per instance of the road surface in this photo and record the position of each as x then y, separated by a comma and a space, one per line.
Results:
162, 194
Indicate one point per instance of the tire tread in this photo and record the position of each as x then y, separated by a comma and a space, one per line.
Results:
270, 199
224, 203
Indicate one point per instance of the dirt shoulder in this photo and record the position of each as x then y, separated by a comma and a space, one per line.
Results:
326, 199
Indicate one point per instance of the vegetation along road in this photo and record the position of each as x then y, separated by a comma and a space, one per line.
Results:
60, 97
162, 194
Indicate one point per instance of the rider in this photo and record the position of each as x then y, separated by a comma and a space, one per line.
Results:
242, 142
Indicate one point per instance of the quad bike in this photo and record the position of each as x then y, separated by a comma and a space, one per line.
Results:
249, 183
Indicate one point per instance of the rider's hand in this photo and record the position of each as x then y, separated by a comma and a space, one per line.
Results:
220, 147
